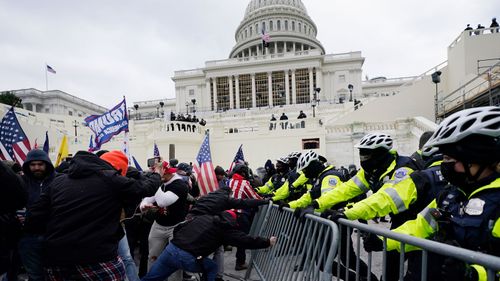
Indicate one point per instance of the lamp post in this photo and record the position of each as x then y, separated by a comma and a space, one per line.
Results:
136, 106
315, 100
193, 101
436, 79
350, 87
187, 107
75, 124
161, 106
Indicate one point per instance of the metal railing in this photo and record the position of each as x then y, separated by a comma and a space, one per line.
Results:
316, 249
304, 250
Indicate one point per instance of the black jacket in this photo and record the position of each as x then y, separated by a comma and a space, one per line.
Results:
221, 200
79, 214
202, 235
13, 196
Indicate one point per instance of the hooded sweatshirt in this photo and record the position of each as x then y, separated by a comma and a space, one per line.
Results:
79, 213
34, 185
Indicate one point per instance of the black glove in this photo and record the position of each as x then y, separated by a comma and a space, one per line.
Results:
333, 215
457, 270
315, 192
282, 205
301, 213
372, 243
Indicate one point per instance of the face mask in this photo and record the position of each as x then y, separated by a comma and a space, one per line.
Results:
452, 176
313, 170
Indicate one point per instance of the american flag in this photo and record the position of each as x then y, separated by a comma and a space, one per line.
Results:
265, 38
50, 69
156, 151
239, 158
14, 144
205, 169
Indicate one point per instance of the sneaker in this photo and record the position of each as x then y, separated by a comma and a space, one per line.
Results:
239, 266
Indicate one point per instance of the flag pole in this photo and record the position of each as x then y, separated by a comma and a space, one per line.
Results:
46, 79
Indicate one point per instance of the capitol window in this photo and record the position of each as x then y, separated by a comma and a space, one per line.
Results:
293, 26
300, 27
251, 31
271, 25
278, 27
286, 25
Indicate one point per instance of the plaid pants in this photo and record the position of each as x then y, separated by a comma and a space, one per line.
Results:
112, 270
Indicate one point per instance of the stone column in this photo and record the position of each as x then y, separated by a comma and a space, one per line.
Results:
287, 88
201, 102
237, 81
284, 47
294, 88
270, 87
231, 100
275, 47
293, 48
215, 94
254, 95
311, 85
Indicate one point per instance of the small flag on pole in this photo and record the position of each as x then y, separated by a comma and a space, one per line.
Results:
14, 144
239, 158
136, 164
205, 169
63, 151
50, 69
46, 143
156, 151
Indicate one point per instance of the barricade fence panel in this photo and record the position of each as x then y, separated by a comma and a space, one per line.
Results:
305, 249
316, 249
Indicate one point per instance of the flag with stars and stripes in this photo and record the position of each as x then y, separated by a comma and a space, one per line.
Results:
205, 169
14, 144
156, 151
239, 158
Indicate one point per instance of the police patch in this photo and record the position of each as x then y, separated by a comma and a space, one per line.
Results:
475, 207
401, 173
283, 179
332, 181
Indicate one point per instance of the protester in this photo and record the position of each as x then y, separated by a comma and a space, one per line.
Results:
169, 205
79, 216
494, 25
197, 238
38, 175
13, 196
302, 115
221, 176
242, 189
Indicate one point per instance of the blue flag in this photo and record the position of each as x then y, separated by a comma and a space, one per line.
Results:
109, 124
46, 143
136, 164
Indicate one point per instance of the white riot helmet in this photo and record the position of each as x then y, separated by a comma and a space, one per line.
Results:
294, 154
283, 160
375, 140
428, 151
478, 121
306, 159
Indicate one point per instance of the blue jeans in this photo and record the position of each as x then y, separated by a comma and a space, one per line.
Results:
128, 261
173, 259
30, 251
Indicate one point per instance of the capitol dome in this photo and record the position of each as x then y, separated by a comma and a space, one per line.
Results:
286, 21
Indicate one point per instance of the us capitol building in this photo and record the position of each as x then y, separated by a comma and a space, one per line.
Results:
237, 97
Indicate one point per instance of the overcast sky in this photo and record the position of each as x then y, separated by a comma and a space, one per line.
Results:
102, 50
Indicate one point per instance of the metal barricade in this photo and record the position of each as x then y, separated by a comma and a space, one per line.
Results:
421, 259
305, 249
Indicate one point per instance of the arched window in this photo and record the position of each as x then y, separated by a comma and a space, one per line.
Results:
263, 26
305, 28
286, 25
300, 27
271, 25
257, 28
251, 31
293, 26
278, 27
246, 33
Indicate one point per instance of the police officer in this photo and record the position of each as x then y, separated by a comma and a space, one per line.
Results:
466, 212
403, 199
276, 180
295, 185
380, 165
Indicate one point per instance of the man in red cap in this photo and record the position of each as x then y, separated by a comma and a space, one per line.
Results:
79, 216
170, 207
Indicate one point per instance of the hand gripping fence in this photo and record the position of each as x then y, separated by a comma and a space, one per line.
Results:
316, 249
305, 249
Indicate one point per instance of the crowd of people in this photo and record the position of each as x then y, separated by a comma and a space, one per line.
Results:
187, 118
85, 222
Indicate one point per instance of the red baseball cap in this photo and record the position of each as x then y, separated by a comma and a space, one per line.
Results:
167, 169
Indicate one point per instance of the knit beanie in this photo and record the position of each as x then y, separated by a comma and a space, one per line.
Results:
117, 159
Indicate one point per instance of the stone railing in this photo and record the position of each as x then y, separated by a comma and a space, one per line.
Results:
186, 127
